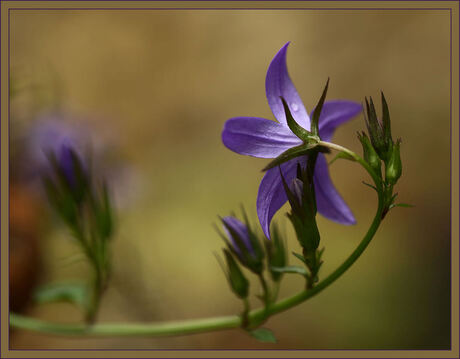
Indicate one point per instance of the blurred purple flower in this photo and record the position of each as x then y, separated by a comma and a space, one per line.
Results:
259, 137
64, 132
238, 228
52, 134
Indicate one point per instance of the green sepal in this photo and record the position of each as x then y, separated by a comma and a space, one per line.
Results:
317, 111
386, 124
296, 129
236, 279
75, 293
290, 269
263, 335
306, 230
375, 130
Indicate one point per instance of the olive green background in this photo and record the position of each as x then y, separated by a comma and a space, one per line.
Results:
161, 84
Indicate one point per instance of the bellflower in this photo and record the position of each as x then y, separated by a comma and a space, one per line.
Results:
259, 137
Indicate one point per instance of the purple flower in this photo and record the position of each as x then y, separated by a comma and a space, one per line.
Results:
259, 137
235, 228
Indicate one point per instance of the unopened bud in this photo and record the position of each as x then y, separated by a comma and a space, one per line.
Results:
370, 156
394, 166
238, 282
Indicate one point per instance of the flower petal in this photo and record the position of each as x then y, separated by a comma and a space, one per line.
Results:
333, 114
258, 137
272, 196
278, 83
329, 203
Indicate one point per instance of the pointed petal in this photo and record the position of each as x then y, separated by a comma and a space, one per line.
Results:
329, 203
278, 83
335, 113
272, 196
258, 137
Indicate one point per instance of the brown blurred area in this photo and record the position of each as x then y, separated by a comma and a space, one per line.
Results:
25, 253
162, 84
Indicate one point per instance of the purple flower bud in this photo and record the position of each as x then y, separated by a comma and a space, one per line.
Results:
238, 234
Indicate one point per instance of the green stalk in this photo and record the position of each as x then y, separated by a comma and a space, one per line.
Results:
216, 323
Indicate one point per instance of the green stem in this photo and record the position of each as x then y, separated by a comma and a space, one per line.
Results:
217, 323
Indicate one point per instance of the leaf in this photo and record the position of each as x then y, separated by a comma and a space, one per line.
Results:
75, 293
342, 155
263, 335
290, 269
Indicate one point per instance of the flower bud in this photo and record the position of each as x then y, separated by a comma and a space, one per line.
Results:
370, 156
379, 131
301, 196
238, 282
244, 243
394, 166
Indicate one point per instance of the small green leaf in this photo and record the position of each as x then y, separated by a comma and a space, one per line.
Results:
342, 155
290, 269
75, 293
263, 335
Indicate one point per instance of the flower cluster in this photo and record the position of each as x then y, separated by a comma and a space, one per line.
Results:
299, 174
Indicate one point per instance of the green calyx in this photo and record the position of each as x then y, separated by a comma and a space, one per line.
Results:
236, 279
369, 153
393, 168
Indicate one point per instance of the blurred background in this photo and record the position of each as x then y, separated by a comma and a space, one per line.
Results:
151, 90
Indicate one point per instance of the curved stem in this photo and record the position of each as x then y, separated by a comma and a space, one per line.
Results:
217, 323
